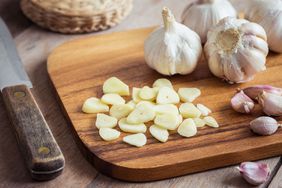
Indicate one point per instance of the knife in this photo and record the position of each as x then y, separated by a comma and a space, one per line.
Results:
40, 150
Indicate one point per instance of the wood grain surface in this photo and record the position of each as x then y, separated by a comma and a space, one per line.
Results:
78, 69
34, 45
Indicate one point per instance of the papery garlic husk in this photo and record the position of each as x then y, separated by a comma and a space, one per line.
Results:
254, 91
271, 103
236, 50
264, 125
254, 173
201, 15
268, 13
242, 103
172, 48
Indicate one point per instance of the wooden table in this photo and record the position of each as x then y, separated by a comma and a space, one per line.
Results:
34, 44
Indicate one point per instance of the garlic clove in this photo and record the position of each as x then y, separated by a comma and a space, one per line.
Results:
254, 173
242, 103
172, 48
271, 103
254, 91
264, 125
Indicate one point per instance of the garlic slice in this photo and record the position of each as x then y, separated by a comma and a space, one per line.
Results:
167, 95
189, 110
187, 128
188, 94
147, 93
199, 122
121, 110
204, 110
203, 14
137, 140
141, 114
236, 50
167, 121
131, 128
159, 133
115, 85
109, 134
112, 99
162, 82
105, 121
166, 109
94, 105
172, 48
210, 121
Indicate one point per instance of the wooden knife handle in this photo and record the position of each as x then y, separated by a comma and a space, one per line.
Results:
37, 144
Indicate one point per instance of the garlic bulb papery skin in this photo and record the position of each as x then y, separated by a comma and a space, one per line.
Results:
268, 13
236, 50
172, 48
203, 14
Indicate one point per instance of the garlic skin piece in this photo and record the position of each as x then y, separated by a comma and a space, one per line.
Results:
254, 173
236, 50
268, 13
264, 126
271, 103
254, 91
203, 14
172, 48
242, 103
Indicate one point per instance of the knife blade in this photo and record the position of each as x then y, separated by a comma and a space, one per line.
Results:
38, 146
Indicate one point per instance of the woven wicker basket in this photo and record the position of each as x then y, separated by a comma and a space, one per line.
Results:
76, 16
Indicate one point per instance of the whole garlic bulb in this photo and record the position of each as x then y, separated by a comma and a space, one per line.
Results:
172, 48
236, 50
203, 14
268, 13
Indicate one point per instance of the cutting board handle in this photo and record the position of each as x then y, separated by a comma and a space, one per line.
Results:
37, 144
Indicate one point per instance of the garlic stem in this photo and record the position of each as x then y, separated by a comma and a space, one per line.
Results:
168, 18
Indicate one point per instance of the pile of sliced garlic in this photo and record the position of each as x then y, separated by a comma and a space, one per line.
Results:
156, 106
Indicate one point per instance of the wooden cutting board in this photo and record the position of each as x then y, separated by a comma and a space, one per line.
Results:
78, 69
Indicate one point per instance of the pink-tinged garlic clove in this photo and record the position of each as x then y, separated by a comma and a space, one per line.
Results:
254, 91
271, 103
242, 103
264, 126
254, 173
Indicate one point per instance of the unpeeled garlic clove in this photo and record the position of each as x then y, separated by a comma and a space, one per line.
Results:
254, 173
254, 91
271, 103
264, 126
242, 103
